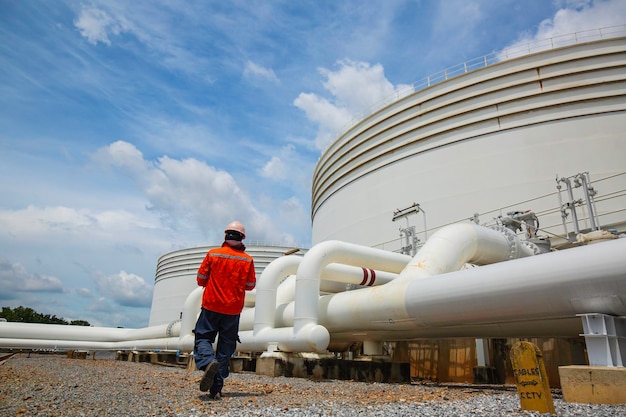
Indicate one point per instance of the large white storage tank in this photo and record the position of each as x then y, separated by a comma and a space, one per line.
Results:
486, 142
175, 277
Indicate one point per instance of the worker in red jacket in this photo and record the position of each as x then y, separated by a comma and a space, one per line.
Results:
226, 273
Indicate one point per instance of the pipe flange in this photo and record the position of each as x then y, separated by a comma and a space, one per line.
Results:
168, 331
512, 240
536, 249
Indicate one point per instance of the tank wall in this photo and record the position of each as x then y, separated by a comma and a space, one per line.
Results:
487, 142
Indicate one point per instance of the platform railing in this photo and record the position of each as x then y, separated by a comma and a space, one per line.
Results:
610, 193
520, 49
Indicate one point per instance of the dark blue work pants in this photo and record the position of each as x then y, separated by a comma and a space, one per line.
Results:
208, 326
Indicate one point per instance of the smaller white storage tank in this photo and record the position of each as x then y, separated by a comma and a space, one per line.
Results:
175, 277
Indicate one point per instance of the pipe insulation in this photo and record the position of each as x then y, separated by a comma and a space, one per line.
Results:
279, 274
183, 344
85, 333
535, 295
322, 254
549, 287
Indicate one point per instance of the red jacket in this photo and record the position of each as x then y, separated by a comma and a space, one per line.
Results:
226, 273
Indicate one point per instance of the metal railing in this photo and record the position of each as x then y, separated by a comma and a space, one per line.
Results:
520, 49
553, 230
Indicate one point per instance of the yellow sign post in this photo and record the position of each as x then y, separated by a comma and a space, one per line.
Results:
531, 379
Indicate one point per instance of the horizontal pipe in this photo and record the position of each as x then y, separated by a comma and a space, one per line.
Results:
589, 279
310, 338
85, 333
426, 300
549, 287
184, 344
455, 245
549, 328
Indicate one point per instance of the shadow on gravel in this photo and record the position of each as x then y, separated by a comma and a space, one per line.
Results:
231, 394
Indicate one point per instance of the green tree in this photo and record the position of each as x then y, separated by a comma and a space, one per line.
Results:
28, 315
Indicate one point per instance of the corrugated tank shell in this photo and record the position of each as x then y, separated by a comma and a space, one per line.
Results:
485, 142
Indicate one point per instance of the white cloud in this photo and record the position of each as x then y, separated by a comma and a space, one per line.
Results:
102, 305
578, 20
126, 289
33, 223
155, 28
293, 215
123, 155
14, 277
167, 133
356, 88
255, 71
274, 168
84, 292
188, 194
278, 167
96, 25
330, 118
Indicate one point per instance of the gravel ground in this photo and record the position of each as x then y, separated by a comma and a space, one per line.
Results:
53, 385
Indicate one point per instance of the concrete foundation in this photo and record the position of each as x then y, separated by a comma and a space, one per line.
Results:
365, 371
593, 384
163, 358
485, 375
242, 364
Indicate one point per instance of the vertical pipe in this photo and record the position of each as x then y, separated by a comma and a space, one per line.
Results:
563, 212
572, 204
191, 309
482, 352
266, 289
590, 202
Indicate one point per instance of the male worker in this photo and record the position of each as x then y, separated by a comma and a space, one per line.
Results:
225, 273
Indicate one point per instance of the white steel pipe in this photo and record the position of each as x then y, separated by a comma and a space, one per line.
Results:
287, 289
174, 336
453, 246
322, 254
184, 344
530, 297
85, 333
265, 306
337, 278
464, 243
446, 251
311, 338
191, 311
588, 279
549, 287
273, 275
429, 299
356, 275
306, 331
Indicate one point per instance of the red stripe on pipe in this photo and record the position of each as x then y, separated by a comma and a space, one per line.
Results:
365, 276
373, 273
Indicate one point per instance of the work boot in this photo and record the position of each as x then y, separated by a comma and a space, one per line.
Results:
216, 390
215, 395
209, 375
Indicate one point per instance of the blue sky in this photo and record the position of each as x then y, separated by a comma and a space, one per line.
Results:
129, 129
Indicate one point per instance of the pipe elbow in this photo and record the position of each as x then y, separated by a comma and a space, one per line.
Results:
316, 336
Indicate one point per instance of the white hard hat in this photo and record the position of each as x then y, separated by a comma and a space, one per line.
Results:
237, 227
